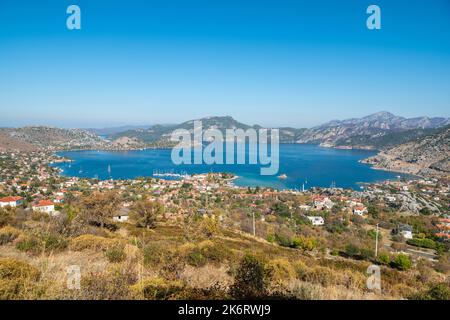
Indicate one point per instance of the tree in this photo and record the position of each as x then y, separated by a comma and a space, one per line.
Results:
252, 279
146, 212
100, 207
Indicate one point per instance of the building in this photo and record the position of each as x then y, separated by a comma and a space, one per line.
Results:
406, 231
46, 206
11, 201
359, 210
321, 203
122, 215
316, 220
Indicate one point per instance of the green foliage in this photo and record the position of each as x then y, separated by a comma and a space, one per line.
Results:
384, 258
251, 280
281, 209
426, 243
205, 252
402, 262
304, 243
440, 291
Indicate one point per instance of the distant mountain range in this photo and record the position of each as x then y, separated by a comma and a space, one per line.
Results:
376, 131
396, 137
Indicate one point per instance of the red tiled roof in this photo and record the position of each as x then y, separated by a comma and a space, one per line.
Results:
10, 199
43, 203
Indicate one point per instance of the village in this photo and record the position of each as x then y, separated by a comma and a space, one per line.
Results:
379, 223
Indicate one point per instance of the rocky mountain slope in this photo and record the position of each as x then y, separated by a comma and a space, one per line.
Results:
427, 156
49, 138
377, 131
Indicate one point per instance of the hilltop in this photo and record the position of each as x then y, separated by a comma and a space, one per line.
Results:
427, 156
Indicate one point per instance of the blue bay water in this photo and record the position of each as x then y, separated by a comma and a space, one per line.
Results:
309, 164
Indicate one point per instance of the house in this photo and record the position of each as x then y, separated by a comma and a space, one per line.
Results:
406, 231
11, 201
321, 203
359, 210
122, 215
46, 206
316, 220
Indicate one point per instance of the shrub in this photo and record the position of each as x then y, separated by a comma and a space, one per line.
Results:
209, 227
205, 252
251, 280
351, 250
116, 253
304, 243
5, 217
157, 289
402, 262
440, 291
384, 258
282, 270
53, 242
153, 254
28, 244
8, 234
89, 241
17, 278
37, 243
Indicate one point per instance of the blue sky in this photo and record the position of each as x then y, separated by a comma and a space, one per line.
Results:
294, 63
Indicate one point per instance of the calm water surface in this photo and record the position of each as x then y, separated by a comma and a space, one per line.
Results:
303, 164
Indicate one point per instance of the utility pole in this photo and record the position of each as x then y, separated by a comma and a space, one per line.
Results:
254, 229
376, 243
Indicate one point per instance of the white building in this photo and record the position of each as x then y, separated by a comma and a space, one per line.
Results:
316, 220
360, 210
11, 201
46, 206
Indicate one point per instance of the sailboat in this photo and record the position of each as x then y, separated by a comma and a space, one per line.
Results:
109, 169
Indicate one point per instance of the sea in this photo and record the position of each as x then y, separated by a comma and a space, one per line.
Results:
303, 166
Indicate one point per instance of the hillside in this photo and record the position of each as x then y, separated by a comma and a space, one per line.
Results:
377, 131
49, 138
428, 156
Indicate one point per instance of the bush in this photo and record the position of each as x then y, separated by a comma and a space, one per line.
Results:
440, 291
402, 262
8, 234
351, 250
157, 289
5, 217
282, 270
38, 243
424, 243
17, 279
251, 280
304, 243
28, 244
384, 258
153, 254
89, 241
116, 253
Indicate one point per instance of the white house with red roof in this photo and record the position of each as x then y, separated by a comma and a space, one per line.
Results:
359, 210
11, 201
46, 206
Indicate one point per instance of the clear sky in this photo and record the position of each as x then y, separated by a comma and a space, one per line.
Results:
294, 63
